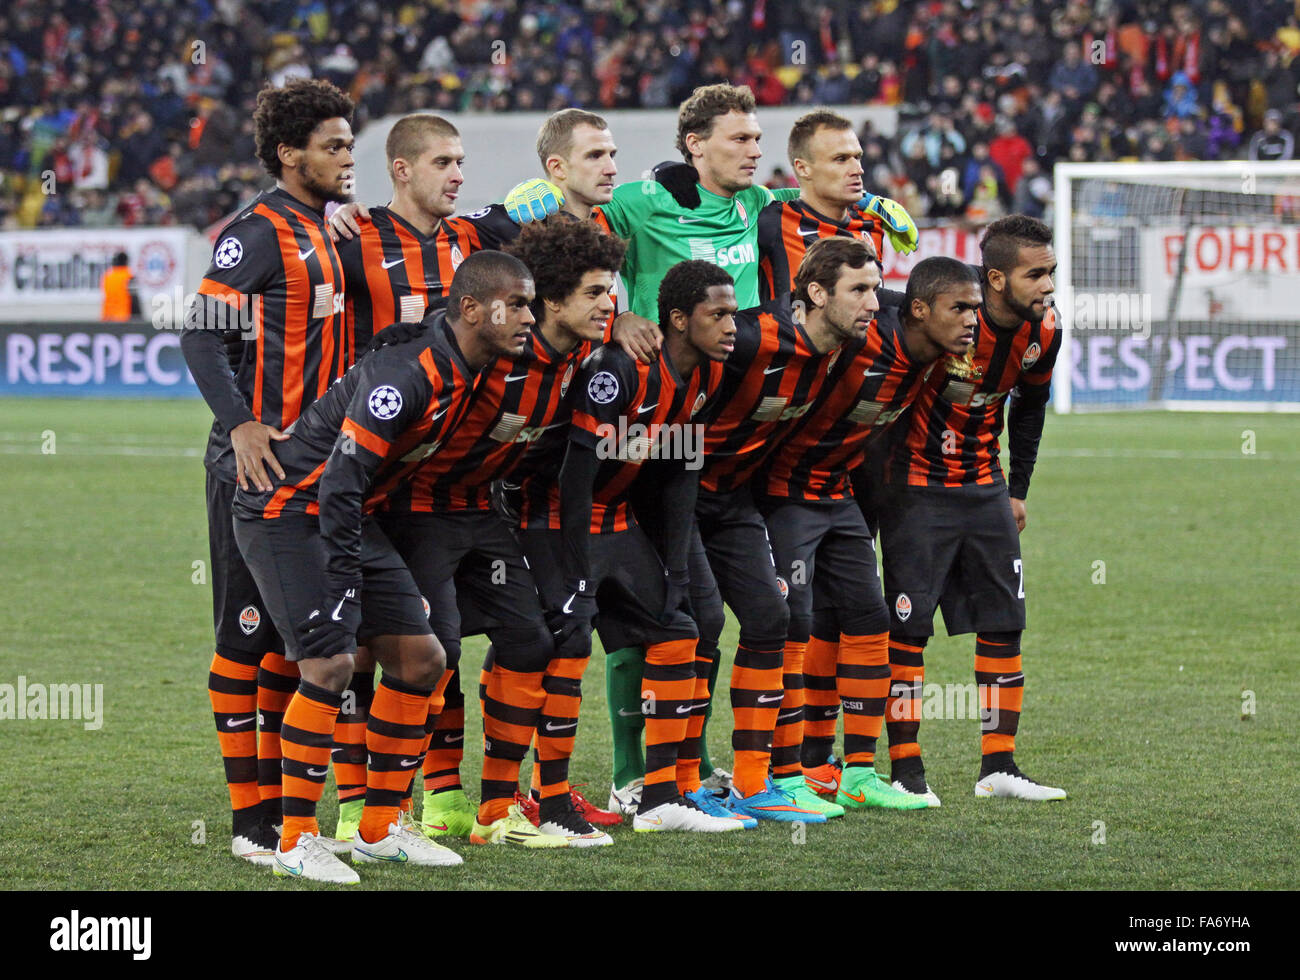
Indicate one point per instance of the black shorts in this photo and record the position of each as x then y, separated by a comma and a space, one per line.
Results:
287, 558
631, 590
740, 556
470, 568
238, 612
955, 548
827, 543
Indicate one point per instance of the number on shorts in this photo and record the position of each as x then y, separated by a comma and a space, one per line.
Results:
1019, 567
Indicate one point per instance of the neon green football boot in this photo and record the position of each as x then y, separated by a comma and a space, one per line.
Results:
447, 814
861, 788
797, 787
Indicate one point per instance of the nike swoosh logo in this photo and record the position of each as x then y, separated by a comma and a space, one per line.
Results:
683, 709
438, 826
389, 265
860, 798
338, 609
315, 772
773, 370
646, 408
453, 738
399, 857
654, 820
807, 233
236, 722
1012, 677
303, 255
559, 728
823, 785
987, 787
516, 377
874, 374
689, 221
438, 416
770, 698
567, 608
293, 871
628, 714
408, 763
790, 714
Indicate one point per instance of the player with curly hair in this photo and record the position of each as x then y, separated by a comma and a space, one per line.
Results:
264, 340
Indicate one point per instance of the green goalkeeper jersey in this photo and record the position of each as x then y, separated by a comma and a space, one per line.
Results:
660, 233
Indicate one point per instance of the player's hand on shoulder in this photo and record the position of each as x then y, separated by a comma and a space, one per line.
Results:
251, 442
894, 219
679, 179
532, 200
345, 222
397, 333
640, 338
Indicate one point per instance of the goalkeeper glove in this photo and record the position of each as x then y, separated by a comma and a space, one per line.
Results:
533, 200
679, 180
894, 219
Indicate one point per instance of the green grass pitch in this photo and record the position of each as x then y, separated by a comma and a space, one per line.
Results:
1161, 686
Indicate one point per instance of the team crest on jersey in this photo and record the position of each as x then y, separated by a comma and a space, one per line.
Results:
564, 381
456, 257
228, 253
699, 403
830, 360
782, 587
480, 213
902, 607
249, 620
426, 606
1033, 353
385, 402
740, 210
603, 388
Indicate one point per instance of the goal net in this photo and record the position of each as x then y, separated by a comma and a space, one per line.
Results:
1179, 286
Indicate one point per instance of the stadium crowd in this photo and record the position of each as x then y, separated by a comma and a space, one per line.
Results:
139, 108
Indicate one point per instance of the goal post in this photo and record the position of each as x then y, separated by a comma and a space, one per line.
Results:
1178, 286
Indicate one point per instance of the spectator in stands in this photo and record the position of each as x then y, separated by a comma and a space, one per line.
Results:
938, 132
1180, 98
1033, 195
1074, 78
1009, 151
1272, 142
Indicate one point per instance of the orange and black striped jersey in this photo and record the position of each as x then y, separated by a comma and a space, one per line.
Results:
630, 412
517, 403
276, 282
771, 379
951, 434
871, 383
358, 444
395, 274
787, 228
